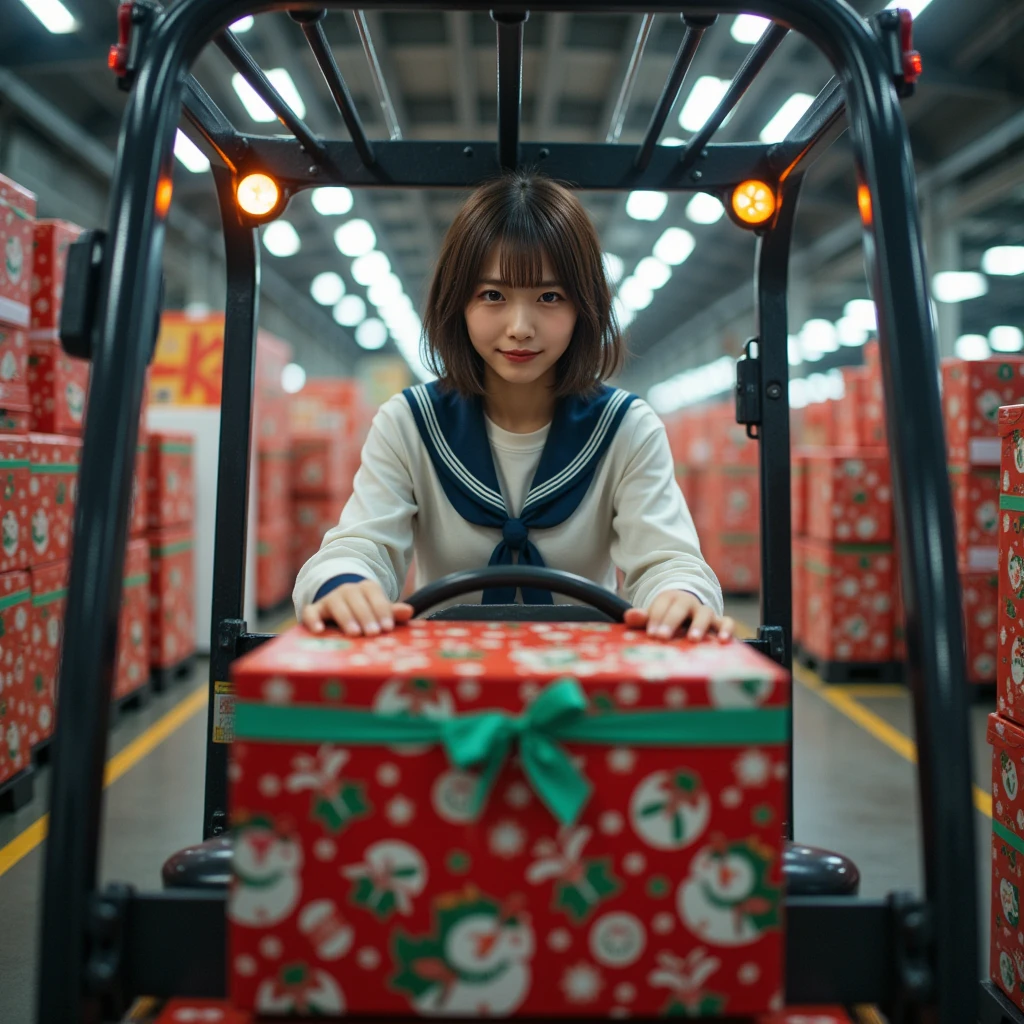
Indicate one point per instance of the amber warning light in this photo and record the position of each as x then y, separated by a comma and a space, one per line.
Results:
753, 202
257, 194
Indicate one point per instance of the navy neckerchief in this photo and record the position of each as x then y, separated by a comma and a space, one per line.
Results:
452, 428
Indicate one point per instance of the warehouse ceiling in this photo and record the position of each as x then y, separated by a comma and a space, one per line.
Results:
440, 69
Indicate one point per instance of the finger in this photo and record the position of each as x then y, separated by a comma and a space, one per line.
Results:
311, 619
363, 613
676, 615
726, 628
663, 618
335, 606
380, 606
401, 611
635, 617
701, 620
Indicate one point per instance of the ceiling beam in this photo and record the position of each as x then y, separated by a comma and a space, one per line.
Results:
552, 75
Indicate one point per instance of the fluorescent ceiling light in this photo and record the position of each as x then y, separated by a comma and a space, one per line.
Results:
386, 291
293, 378
1003, 260
613, 267
371, 334
748, 28
256, 108
972, 346
706, 94
1006, 339
671, 140
281, 239
852, 333
370, 267
959, 285
674, 246
635, 294
862, 312
694, 385
914, 6
646, 205
624, 316
350, 311
787, 117
55, 17
819, 336
190, 154
355, 238
704, 208
329, 202
652, 272
327, 288
242, 25
793, 353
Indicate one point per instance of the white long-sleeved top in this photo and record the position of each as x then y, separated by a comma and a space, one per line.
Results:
633, 516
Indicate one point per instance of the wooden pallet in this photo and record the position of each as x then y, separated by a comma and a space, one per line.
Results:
163, 677
852, 672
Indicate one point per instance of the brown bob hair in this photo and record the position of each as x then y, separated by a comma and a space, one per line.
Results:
526, 215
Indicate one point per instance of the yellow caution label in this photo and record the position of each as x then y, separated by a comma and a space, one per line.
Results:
223, 712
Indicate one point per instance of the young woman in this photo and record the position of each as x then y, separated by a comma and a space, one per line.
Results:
518, 452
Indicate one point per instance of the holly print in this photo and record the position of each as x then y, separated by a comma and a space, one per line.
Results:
684, 977
1010, 900
300, 989
476, 961
336, 802
1009, 775
391, 875
580, 885
670, 810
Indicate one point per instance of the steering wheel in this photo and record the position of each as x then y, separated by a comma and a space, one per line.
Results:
565, 583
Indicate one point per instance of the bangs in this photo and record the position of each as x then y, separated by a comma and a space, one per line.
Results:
521, 251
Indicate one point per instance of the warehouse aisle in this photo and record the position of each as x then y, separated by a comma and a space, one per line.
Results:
854, 793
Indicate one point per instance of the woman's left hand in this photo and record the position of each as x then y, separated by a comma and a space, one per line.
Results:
673, 609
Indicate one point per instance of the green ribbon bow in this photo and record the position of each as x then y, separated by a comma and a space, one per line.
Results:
558, 715
487, 738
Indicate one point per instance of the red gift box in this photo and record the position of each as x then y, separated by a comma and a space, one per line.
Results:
980, 592
58, 389
274, 482
17, 222
849, 611
735, 559
799, 589
15, 715
849, 410
15, 409
15, 544
313, 518
132, 668
1006, 949
731, 497
172, 611
138, 519
171, 479
322, 464
972, 392
849, 496
331, 405
730, 445
53, 488
798, 491
1010, 608
49, 595
13, 356
366, 881
1011, 464
51, 241
976, 506
273, 427
274, 577
818, 424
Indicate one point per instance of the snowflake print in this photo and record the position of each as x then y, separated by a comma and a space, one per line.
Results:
277, 691
611, 823
528, 692
731, 797
582, 983
270, 785
634, 863
400, 811
507, 840
627, 694
559, 940
663, 924
752, 768
748, 974
469, 668
468, 689
246, 966
271, 947
518, 795
675, 697
388, 775
619, 1012
621, 760
324, 849
625, 993
368, 958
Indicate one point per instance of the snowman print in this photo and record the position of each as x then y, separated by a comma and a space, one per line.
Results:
988, 404
1010, 902
1017, 661
1006, 975
330, 934
40, 530
1015, 568
267, 872
452, 796
9, 528
8, 366
1018, 453
987, 516
670, 810
1009, 770
74, 395
14, 258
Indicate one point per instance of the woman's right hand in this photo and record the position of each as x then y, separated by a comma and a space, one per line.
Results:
358, 609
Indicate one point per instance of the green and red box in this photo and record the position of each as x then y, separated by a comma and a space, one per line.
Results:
131, 671
172, 597
976, 507
1010, 605
322, 464
17, 224
732, 496
274, 482
53, 488
49, 596
15, 478
972, 392
369, 880
980, 592
50, 244
138, 517
849, 495
274, 576
170, 483
13, 356
735, 559
58, 388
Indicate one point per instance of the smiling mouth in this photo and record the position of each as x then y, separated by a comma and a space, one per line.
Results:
519, 355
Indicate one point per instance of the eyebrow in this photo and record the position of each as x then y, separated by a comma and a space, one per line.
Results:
505, 284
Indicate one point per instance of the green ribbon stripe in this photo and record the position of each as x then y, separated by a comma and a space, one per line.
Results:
47, 468
485, 739
178, 448
136, 581
14, 463
1011, 502
1010, 837
171, 549
38, 600
16, 598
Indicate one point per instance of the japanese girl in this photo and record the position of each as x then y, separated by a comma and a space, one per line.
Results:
518, 451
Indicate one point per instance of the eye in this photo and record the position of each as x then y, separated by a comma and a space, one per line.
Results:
491, 295
550, 298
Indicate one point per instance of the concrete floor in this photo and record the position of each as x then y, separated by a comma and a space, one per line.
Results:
854, 794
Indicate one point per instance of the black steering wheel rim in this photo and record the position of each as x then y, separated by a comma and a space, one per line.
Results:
565, 583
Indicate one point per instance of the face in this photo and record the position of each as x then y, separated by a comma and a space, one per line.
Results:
520, 333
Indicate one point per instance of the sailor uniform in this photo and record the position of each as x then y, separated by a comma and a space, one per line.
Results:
592, 490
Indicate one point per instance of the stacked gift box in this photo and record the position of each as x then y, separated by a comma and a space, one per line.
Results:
1006, 725
169, 642
329, 420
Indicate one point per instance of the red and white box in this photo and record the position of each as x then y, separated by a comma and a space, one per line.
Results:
818, 424
972, 392
49, 596
13, 356
171, 479
1010, 605
798, 491
1011, 436
15, 747
274, 576
53, 489
849, 607
730, 445
976, 506
313, 518
132, 669
138, 519
735, 559
58, 389
17, 224
322, 464
980, 592
15, 477
16, 690
51, 241
732, 495
799, 589
849, 495
1006, 950
274, 481
385, 881
172, 597
15, 409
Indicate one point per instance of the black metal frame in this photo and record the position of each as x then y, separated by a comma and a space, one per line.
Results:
914, 957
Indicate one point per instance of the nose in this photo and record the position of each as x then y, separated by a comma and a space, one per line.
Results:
519, 325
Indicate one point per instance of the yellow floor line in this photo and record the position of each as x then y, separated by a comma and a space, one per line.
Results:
26, 841
870, 691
